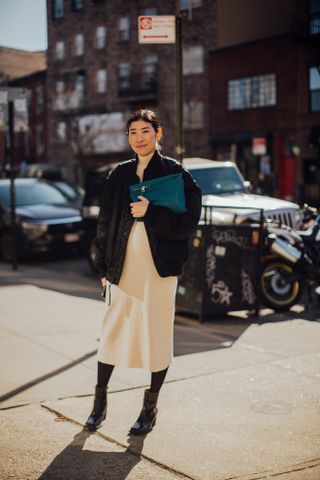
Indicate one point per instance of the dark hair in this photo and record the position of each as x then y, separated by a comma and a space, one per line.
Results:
145, 115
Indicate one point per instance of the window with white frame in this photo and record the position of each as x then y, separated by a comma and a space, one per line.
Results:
150, 11
39, 140
101, 34
149, 70
314, 88
252, 92
124, 29
60, 50
101, 81
39, 99
193, 115
80, 84
314, 10
57, 9
185, 4
62, 131
60, 86
77, 5
79, 44
124, 76
193, 60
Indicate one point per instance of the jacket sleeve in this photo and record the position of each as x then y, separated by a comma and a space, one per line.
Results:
102, 226
176, 226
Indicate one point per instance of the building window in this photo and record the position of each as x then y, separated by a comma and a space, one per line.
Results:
57, 9
193, 60
252, 92
185, 4
80, 84
124, 76
314, 88
79, 44
77, 5
150, 11
101, 33
193, 115
60, 86
314, 9
39, 140
149, 71
124, 29
101, 81
60, 51
62, 132
39, 99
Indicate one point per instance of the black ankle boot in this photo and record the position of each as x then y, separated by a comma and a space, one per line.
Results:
99, 410
147, 417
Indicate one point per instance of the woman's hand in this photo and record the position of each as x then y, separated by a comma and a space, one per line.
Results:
138, 209
103, 282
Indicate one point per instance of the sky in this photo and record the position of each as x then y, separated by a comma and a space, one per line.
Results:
23, 24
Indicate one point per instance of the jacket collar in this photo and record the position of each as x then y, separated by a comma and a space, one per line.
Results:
153, 169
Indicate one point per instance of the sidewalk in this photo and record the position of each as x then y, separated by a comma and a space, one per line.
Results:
249, 411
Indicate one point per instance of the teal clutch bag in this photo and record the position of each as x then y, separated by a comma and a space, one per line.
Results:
167, 191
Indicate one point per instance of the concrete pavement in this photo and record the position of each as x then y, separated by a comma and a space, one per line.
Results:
247, 411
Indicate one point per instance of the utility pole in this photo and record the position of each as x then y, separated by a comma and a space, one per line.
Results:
179, 93
12, 185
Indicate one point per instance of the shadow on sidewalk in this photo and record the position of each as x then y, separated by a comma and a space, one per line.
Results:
75, 462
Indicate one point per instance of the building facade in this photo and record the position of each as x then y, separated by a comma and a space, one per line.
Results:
27, 70
31, 145
265, 107
98, 73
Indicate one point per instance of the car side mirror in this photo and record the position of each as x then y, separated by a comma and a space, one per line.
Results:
248, 186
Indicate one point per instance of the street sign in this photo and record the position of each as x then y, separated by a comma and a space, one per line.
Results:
259, 146
157, 29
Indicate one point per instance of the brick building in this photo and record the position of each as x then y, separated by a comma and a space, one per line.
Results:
31, 146
97, 73
19, 68
266, 91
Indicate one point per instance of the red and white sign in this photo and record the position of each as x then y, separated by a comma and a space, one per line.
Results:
259, 146
157, 29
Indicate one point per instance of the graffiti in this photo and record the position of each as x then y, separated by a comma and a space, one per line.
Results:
248, 294
220, 293
229, 236
210, 266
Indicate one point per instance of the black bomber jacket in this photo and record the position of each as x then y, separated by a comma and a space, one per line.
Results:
168, 232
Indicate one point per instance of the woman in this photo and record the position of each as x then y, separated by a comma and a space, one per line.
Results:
139, 261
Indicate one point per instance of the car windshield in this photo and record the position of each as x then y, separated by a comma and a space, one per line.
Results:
218, 180
68, 190
32, 194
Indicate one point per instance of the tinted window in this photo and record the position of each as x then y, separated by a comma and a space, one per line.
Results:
213, 181
32, 194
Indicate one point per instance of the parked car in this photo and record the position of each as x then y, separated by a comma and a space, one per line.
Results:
46, 219
222, 185
74, 193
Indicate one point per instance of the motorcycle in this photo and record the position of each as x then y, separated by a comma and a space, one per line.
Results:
291, 262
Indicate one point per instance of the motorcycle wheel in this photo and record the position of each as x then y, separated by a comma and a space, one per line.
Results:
277, 292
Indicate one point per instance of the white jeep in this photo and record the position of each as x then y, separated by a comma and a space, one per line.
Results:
223, 185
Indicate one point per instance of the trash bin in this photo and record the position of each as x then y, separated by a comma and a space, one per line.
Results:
222, 272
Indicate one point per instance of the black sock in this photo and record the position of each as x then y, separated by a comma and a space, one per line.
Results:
104, 373
157, 379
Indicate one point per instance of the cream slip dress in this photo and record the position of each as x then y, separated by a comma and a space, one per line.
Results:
137, 328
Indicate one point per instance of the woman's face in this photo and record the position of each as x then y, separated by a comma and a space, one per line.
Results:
143, 138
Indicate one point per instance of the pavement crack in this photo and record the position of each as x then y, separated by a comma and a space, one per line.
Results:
122, 445
267, 474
